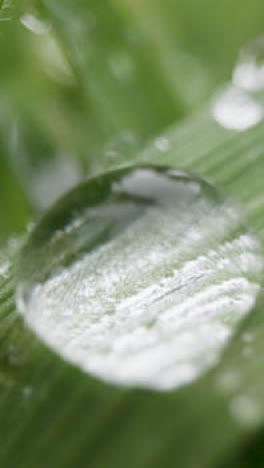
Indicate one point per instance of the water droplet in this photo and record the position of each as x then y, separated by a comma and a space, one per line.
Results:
4, 268
33, 24
235, 110
143, 285
249, 71
162, 144
121, 145
245, 410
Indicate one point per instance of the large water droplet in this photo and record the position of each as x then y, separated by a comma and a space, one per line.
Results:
138, 276
235, 110
249, 71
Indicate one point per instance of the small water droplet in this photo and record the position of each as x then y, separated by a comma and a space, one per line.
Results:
245, 410
249, 71
233, 109
33, 24
121, 145
162, 144
4, 268
144, 284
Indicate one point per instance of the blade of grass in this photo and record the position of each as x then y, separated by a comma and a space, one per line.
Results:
106, 426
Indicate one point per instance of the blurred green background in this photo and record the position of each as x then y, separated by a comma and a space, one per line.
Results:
85, 84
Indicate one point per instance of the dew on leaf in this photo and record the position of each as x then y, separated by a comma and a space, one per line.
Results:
162, 144
234, 109
144, 285
249, 71
4, 268
121, 145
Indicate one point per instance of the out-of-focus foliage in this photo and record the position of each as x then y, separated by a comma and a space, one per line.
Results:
86, 85
87, 80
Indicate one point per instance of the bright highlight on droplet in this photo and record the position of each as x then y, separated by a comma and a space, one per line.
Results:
33, 24
139, 277
237, 106
249, 71
235, 110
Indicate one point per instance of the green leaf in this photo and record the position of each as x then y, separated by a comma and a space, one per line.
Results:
138, 427
137, 263
52, 414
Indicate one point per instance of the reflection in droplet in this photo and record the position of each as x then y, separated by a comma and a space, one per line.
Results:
33, 24
235, 110
136, 276
249, 71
